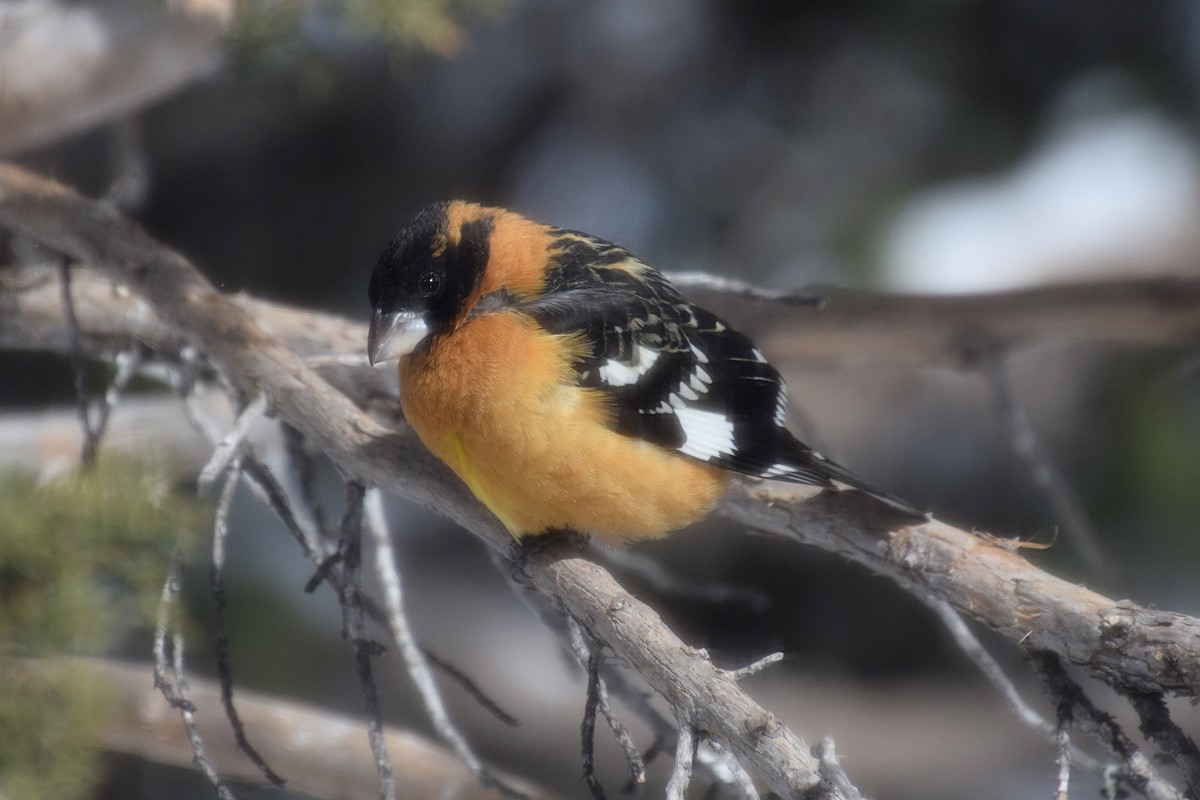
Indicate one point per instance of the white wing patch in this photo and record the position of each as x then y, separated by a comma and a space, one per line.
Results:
708, 433
614, 373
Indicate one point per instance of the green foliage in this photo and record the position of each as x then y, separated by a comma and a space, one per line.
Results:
294, 35
48, 716
82, 561
427, 24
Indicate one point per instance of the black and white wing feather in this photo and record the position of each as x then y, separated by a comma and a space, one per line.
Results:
675, 374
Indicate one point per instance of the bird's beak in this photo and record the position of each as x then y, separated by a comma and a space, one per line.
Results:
394, 335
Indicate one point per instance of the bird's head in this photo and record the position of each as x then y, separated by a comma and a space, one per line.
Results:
427, 278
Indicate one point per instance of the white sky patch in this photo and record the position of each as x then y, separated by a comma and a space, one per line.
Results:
1098, 195
709, 434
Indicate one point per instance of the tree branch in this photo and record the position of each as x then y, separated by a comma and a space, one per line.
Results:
1121, 643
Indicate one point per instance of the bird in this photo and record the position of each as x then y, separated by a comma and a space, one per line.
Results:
570, 385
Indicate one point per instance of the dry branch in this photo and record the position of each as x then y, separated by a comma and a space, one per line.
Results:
1121, 643
109, 59
321, 753
857, 326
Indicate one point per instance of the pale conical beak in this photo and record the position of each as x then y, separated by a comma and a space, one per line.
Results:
394, 335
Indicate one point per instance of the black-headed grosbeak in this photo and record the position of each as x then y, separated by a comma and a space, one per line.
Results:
569, 384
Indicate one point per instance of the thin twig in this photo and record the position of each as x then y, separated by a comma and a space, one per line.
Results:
1045, 474
1062, 735
723, 765
969, 643
91, 438
1137, 770
354, 625
832, 772
176, 693
742, 673
470, 687
587, 728
306, 475
685, 756
187, 711
414, 659
633, 756
268, 489
231, 443
217, 585
128, 362
586, 652
1157, 726
170, 592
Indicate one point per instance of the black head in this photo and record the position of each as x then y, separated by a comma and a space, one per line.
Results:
426, 278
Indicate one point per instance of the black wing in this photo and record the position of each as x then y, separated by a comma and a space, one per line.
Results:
675, 374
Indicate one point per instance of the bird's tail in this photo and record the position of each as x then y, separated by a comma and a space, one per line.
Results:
809, 466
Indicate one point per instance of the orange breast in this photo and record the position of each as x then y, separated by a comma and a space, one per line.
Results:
497, 401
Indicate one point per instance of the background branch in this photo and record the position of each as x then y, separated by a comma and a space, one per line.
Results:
321, 753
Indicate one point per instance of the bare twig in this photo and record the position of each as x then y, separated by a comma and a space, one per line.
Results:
633, 756
166, 605
726, 768
1062, 735
305, 475
1157, 726
231, 443
354, 629
685, 756
91, 437
128, 363
741, 673
1072, 703
267, 488
411, 653
1045, 474
587, 728
217, 585
470, 687
187, 711
969, 643
588, 655
177, 693
832, 770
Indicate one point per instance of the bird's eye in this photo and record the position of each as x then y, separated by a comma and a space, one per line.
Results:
428, 284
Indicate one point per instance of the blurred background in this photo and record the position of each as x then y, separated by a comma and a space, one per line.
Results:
924, 146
